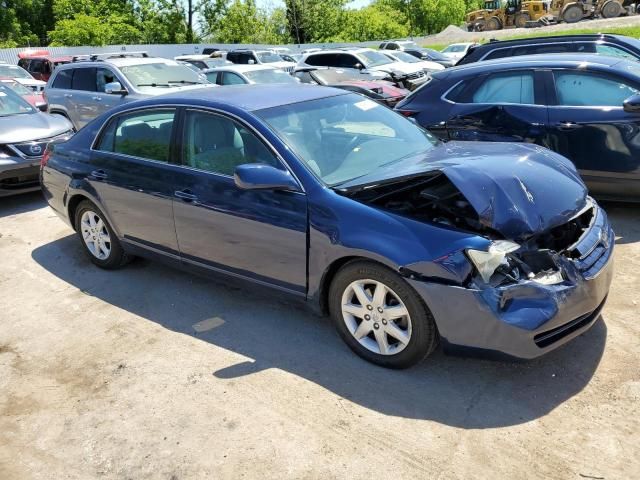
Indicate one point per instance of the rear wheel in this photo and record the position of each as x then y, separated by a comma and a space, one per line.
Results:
98, 238
611, 9
572, 14
522, 19
379, 315
493, 23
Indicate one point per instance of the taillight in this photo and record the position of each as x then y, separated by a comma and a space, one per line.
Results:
45, 157
407, 113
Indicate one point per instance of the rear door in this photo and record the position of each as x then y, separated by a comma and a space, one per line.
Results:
257, 234
588, 125
83, 104
499, 107
133, 173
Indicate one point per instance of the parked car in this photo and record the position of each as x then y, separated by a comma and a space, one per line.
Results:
203, 61
335, 199
21, 76
456, 51
371, 61
91, 85
35, 99
419, 52
291, 57
24, 134
354, 81
585, 107
426, 65
260, 57
604, 44
243, 74
40, 64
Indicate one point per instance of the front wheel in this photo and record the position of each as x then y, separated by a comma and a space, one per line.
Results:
380, 317
98, 238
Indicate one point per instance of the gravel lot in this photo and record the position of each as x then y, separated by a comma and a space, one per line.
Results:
149, 372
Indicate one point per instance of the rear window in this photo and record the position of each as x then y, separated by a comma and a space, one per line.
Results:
499, 53
63, 79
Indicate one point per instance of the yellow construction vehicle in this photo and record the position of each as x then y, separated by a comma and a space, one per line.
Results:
494, 15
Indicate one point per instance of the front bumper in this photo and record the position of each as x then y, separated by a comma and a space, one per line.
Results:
527, 319
18, 175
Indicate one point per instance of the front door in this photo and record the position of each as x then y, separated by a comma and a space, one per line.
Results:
133, 175
257, 234
588, 125
501, 107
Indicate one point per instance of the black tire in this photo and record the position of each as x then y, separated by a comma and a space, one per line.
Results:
572, 14
117, 256
493, 23
522, 19
611, 9
424, 335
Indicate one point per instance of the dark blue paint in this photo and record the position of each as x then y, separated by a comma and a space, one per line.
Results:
291, 239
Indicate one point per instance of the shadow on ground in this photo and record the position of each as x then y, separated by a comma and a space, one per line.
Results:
24, 203
275, 333
625, 218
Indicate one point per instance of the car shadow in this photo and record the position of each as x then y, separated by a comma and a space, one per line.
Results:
625, 219
274, 332
22, 203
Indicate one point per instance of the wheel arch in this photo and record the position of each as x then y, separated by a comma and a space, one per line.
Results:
72, 207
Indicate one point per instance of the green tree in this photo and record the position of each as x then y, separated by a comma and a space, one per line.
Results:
374, 22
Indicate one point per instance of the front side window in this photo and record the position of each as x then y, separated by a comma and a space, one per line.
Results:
343, 137
140, 134
230, 78
588, 90
516, 87
84, 79
103, 77
217, 144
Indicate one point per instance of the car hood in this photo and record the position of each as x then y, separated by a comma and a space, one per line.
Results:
397, 67
281, 65
429, 65
516, 189
32, 126
31, 82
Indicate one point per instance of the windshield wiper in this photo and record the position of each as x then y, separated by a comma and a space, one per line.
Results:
153, 85
185, 82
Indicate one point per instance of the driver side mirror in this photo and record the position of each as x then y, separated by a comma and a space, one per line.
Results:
251, 61
359, 66
632, 104
258, 176
115, 88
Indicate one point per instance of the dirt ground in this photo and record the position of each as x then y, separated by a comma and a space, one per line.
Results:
151, 373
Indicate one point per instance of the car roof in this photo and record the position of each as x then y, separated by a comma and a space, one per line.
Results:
249, 97
550, 38
240, 68
119, 62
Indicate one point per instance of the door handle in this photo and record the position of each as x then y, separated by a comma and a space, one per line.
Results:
568, 125
186, 195
99, 175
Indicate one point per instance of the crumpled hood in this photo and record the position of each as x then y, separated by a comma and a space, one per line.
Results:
31, 126
516, 189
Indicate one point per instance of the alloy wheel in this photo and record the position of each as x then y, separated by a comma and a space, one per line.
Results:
95, 235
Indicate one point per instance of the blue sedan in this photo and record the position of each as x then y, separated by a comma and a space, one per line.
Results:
328, 196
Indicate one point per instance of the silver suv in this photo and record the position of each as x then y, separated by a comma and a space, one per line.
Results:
90, 85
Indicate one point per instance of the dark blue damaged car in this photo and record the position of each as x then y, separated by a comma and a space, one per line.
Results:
405, 241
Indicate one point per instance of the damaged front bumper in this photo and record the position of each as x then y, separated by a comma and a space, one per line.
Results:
527, 319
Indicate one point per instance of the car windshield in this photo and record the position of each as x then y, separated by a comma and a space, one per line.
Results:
405, 57
268, 57
455, 48
336, 75
374, 59
17, 87
12, 104
13, 71
269, 75
160, 75
345, 137
436, 55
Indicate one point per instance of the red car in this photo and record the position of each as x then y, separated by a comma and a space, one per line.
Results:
34, 98
39, 64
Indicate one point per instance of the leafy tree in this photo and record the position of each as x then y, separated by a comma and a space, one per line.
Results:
374, 22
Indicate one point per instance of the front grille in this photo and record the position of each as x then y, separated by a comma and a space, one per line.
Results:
413, 76
593, 250
35, 149
19, 182
550, 337
288, 69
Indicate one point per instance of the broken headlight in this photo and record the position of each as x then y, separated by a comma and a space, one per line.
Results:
487, 262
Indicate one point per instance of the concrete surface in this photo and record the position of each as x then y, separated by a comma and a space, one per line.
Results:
151, 373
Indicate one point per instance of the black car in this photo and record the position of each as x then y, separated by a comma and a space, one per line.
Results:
417, 51
600, 43
585, 107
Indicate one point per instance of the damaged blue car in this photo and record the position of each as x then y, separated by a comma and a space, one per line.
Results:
405, 241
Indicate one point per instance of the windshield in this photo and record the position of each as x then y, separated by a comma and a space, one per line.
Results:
14, 71
436, 55
345, 137
335, 75
18, 88
373, 58
405, 57
455, 48
160, 75
12, 104
268, 57
269, 76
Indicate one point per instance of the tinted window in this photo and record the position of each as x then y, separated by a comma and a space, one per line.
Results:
455, 94
540, 49
499, 53
323, 60
141, 134
36, 66
63, 79
584, 89
229, 78
217, 144
348, 61
104, 76
516, 87
613, 51
84, 79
